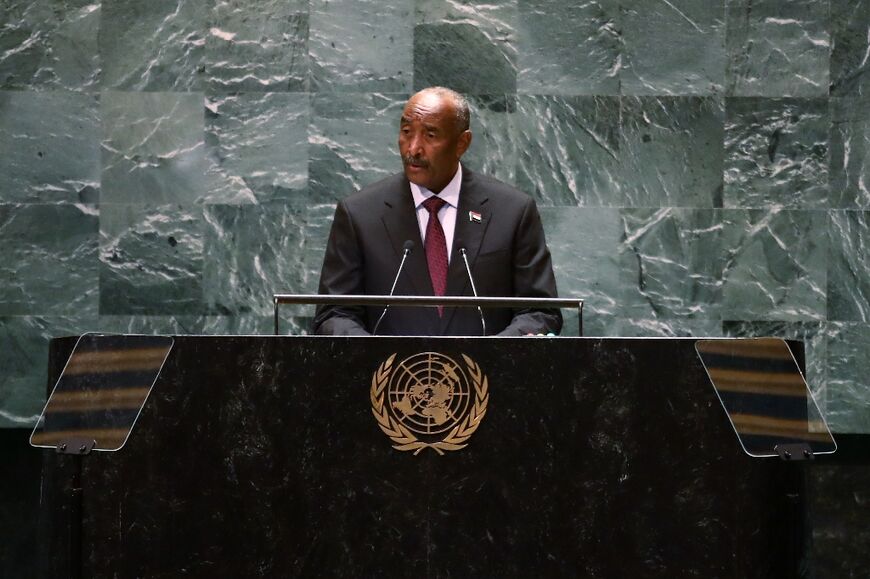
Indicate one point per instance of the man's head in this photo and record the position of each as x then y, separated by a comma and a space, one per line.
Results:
433, 135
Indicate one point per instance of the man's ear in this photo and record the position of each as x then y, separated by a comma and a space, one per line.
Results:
464, 142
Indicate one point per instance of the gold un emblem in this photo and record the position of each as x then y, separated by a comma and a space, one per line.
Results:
429, 400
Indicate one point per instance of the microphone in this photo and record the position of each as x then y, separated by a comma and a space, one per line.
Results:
473, 289
407, 247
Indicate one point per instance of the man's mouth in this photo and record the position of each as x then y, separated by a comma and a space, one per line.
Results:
416, 163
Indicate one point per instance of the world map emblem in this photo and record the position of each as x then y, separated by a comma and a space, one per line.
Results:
429, 400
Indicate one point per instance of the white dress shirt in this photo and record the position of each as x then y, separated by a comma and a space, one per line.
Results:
447, 214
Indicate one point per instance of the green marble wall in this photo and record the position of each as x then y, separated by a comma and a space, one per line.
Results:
703, 166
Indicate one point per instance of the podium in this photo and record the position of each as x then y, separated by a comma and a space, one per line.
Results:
264, 456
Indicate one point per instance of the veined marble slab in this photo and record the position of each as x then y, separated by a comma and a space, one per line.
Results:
676, 47
361, 45
568, 150
674, 264
849, 266
49, 264
152, 46
776, 153
850, 46
775, 265
153, 148
848, 365
257, 146
568, 48
672, 151
49, 147
468, 46
151, 259
47, 45
850, 153
251, 252
257, 45
777, 49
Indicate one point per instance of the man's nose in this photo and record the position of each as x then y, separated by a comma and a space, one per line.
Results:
415, 145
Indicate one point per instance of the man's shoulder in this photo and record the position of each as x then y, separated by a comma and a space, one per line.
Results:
379, 191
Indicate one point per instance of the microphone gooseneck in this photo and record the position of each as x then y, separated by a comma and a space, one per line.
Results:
462, 252
407, 247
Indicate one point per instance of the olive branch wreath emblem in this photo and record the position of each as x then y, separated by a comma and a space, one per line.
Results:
403, 439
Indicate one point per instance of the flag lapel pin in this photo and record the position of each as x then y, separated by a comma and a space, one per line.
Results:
474, 217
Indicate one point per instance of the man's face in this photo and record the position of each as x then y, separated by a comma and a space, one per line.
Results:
430, 142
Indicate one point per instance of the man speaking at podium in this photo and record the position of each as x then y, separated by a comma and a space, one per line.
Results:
434, 215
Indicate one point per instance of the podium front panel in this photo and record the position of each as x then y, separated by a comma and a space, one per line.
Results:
264, 457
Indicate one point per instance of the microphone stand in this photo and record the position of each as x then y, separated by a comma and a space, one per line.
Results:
473, 289
408, 246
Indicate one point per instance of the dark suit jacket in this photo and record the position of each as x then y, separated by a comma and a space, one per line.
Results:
506, 250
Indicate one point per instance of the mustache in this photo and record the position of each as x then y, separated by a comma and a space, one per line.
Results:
416, 161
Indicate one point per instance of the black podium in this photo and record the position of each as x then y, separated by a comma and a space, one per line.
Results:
578, 457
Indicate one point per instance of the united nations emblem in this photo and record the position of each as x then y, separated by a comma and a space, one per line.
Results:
429, 400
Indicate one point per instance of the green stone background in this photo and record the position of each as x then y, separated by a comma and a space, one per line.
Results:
703, 166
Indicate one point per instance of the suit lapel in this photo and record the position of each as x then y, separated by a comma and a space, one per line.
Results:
469, 233
400, 220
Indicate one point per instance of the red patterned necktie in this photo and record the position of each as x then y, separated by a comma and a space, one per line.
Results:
436, 247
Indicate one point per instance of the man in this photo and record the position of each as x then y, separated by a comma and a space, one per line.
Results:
437, 207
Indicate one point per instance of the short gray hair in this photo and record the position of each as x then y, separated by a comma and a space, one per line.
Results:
462, 110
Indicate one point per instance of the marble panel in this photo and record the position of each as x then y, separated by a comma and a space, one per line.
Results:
850, 48
361, 45
48, 44
250, 325
49, 147
493, 148
257, 45
568, 48
569, 150
153, 148
148, 324
252, 252
50, 264
152, 46
469, 46
676, 264
585, 245
245, 325
151, 260
673, 47
352, 142
774, 50
615, 326
23, 357
776, 153
849, 266
850, 153
775, 265
318, 221
257, 146
672, 151
848, 387
812, 334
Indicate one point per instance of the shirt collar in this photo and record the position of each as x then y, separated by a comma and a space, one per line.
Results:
450, 194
